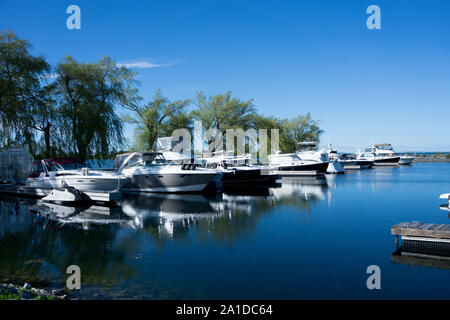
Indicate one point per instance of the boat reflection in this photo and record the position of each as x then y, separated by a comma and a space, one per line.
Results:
306, 188
84, 217
166, 213
168, 216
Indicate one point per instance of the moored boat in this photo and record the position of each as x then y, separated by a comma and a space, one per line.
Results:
151, 172
66, 172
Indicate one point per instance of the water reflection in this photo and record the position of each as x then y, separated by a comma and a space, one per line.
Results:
421, 260
39, 240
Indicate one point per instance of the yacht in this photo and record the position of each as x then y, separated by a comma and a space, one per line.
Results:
291, 164
381, 154
348, 161
65, 172
151, 172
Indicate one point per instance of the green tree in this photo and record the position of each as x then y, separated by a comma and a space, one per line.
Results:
298, 129
90, 94
222, 112
159, 117
21, 90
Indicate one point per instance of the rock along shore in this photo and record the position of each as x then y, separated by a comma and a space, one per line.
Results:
10, 291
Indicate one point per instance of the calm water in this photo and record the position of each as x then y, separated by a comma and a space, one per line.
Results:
309, 238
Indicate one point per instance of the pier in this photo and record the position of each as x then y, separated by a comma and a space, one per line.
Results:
430, 240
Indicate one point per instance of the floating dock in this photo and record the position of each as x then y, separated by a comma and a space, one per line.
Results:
25, 191
429, 239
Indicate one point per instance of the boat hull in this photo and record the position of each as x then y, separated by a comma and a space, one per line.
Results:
356, 164
248, 177
335, 167
84, 183
388, 161
319, 168
406, 160
168, 182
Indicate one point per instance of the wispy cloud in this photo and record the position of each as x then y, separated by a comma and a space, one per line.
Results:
144, 64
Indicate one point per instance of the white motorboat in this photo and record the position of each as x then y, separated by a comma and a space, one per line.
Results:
381, 154
406, 159
290, 164
64, 172
348, 161
151, 172
334, 166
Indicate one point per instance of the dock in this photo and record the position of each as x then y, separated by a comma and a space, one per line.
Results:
423, 238
38, 193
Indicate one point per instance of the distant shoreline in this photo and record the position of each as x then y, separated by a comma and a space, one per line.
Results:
432, 158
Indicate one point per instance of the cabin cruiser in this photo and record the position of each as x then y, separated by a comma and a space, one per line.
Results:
380, 154
291, 164
151, 172
385, 149
64, 172
348, 161
238, 170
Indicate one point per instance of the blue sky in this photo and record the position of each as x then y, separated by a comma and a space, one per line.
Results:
290, 57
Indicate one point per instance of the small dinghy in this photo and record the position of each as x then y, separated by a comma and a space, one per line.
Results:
67, 196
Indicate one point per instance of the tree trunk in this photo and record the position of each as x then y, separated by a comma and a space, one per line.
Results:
48, 153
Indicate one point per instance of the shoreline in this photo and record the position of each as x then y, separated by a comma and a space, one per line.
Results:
9, 291
431, 159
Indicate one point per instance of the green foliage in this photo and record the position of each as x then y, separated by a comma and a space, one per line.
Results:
71, 110
158, 117
298, 129
222, 112
89, 94
21, 90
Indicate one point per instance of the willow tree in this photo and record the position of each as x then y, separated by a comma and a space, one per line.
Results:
21, 90
90, 94
159, 117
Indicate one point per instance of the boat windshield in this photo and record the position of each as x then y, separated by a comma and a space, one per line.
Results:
57, 166
154, 159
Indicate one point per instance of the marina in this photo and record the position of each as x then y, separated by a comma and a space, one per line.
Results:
230, 154
236, 231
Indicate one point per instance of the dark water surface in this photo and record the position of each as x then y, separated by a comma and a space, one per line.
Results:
310, 238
